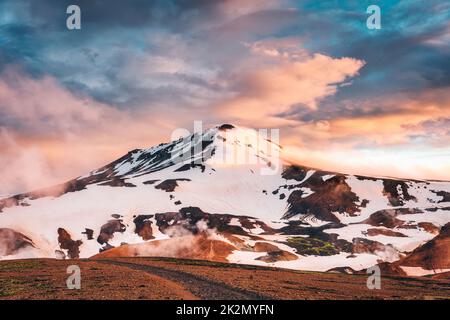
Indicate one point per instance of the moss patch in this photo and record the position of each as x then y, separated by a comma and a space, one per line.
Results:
10, 287
312, 246
18, 266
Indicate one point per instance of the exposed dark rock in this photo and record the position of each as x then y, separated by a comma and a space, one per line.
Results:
12, 242
117, 182
296, 228
72, 246
429, 227
188, 217
408, 226
362, 178
89, 233
344, 270
108, 229
332, 195
278, 145
150, 181
385, 218
189, 166
169, 185
106, 247
144, 226
402, 211
373, 232
390, 190
279, 255
160, 160
434, 209
444, 194
226, 126
362, 245
435, 254
297, 173
388, 269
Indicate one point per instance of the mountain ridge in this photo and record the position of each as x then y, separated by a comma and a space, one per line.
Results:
151, 196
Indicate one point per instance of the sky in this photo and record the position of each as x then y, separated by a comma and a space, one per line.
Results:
345, 97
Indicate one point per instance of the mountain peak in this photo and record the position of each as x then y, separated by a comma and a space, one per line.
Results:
224, 184
226, 126
225, 144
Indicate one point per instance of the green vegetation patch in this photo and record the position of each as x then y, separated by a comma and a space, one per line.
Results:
10, 287
312, 246
18, 266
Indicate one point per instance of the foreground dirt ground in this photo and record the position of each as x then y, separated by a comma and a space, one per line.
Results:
164, 278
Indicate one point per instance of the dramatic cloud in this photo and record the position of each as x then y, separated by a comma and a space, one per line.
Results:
291, 78
73, 100
48, 134
405, 135
43, 107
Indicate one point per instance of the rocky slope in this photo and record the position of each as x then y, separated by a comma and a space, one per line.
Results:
224, 195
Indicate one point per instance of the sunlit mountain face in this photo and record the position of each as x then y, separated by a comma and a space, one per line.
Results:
227, 194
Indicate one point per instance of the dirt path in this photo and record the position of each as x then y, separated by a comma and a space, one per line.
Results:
178, 279
200, 287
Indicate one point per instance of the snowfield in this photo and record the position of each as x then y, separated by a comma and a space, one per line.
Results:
304, 218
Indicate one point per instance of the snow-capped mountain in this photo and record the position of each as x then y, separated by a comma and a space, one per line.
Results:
224, 195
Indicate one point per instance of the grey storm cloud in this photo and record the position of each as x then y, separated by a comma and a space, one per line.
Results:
93, 60
116, 13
